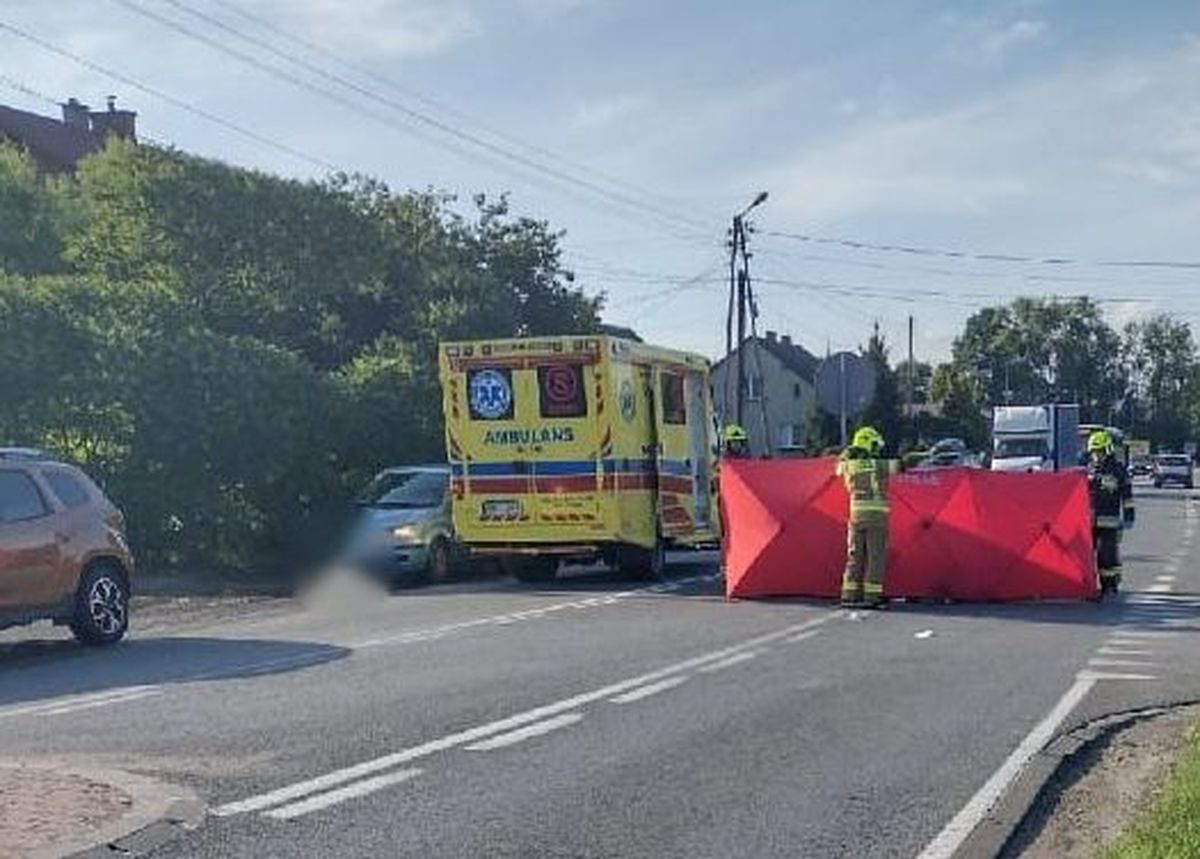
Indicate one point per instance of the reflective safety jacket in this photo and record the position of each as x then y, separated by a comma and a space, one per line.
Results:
866, 482
1111, 491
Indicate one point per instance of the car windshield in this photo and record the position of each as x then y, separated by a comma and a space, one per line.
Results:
405, 489
1174, 461
1010, 448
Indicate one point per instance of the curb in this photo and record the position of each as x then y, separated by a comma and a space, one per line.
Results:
998, 833
154, 803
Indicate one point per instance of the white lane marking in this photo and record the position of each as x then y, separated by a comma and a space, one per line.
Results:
1139, 633
1123, 651
804, 636
1160, 588
1122, 640
103, 702
1165, 579
537, 729
647, 691
509, 618
1119, 663
951, 838
728, 663
333, 797
70, 703
1170, 567
1112, 675
470, 735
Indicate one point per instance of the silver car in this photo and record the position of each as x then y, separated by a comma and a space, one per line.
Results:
403, 531
1173, 468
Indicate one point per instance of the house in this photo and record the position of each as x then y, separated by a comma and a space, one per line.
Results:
780, 392
59, 145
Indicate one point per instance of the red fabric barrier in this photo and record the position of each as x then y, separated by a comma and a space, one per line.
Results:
962, 534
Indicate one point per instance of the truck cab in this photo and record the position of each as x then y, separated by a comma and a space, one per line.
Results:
1035, 438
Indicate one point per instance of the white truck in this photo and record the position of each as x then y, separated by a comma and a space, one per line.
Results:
1035, 438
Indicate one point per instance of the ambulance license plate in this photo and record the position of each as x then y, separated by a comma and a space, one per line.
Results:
502, 508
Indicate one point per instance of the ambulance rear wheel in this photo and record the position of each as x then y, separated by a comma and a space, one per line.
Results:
644, 564
535, 569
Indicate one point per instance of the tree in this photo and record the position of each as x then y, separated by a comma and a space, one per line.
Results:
922, 373
32, 216
1037, 351
1161, 359
960, 396
884, 411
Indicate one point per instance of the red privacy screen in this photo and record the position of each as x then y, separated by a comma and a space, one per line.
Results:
963, 534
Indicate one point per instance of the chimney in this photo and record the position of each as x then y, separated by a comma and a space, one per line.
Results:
786, 339
75, 114
121, 123
772, 336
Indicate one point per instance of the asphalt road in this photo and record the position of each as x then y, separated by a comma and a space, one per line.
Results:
593, 718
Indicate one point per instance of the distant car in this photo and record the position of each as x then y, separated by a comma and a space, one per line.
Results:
948, 453
63, 552
1141, 466
403, 530
1173, 469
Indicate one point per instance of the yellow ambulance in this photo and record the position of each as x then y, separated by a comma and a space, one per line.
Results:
579, 447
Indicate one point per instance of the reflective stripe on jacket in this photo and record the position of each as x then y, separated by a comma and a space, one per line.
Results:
866, 482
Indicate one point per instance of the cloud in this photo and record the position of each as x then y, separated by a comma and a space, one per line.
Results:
607, 111
384, 29
926, 165
550, 8
1096, 139
982, 42
998, 42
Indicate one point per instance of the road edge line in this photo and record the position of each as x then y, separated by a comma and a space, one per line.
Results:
958, 830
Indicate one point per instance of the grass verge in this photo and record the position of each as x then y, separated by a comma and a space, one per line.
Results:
1170, 829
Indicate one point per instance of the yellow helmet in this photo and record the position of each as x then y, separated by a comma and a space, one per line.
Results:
1100, 441
733, 432
868, 439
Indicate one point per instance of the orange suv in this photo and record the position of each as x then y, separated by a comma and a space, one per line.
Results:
63, 552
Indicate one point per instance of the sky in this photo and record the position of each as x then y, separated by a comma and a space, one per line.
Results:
1065, 133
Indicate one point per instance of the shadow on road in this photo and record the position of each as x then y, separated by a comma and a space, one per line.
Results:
34, 670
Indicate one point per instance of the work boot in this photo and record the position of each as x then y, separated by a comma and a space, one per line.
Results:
1109, 585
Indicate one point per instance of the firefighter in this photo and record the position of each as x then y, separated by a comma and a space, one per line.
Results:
736, 443
1112, 506
866, 473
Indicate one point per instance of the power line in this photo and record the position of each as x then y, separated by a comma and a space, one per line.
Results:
433, 104
166, 97
968, 273
916, 250
465, 137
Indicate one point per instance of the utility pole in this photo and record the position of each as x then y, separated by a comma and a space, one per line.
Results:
739, 302
912, 369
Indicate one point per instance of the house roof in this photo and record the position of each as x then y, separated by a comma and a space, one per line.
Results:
55, 145
792, 355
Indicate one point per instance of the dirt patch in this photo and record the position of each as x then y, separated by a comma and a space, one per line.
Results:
1102, 789
40, 808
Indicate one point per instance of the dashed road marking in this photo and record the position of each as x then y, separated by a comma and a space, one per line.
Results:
730, 662
647, 691
1113, 675
1123, 651
75, 703
509, 618
333, 797
1165, 579
804, 636
468, 736
520, 735
1119, 663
